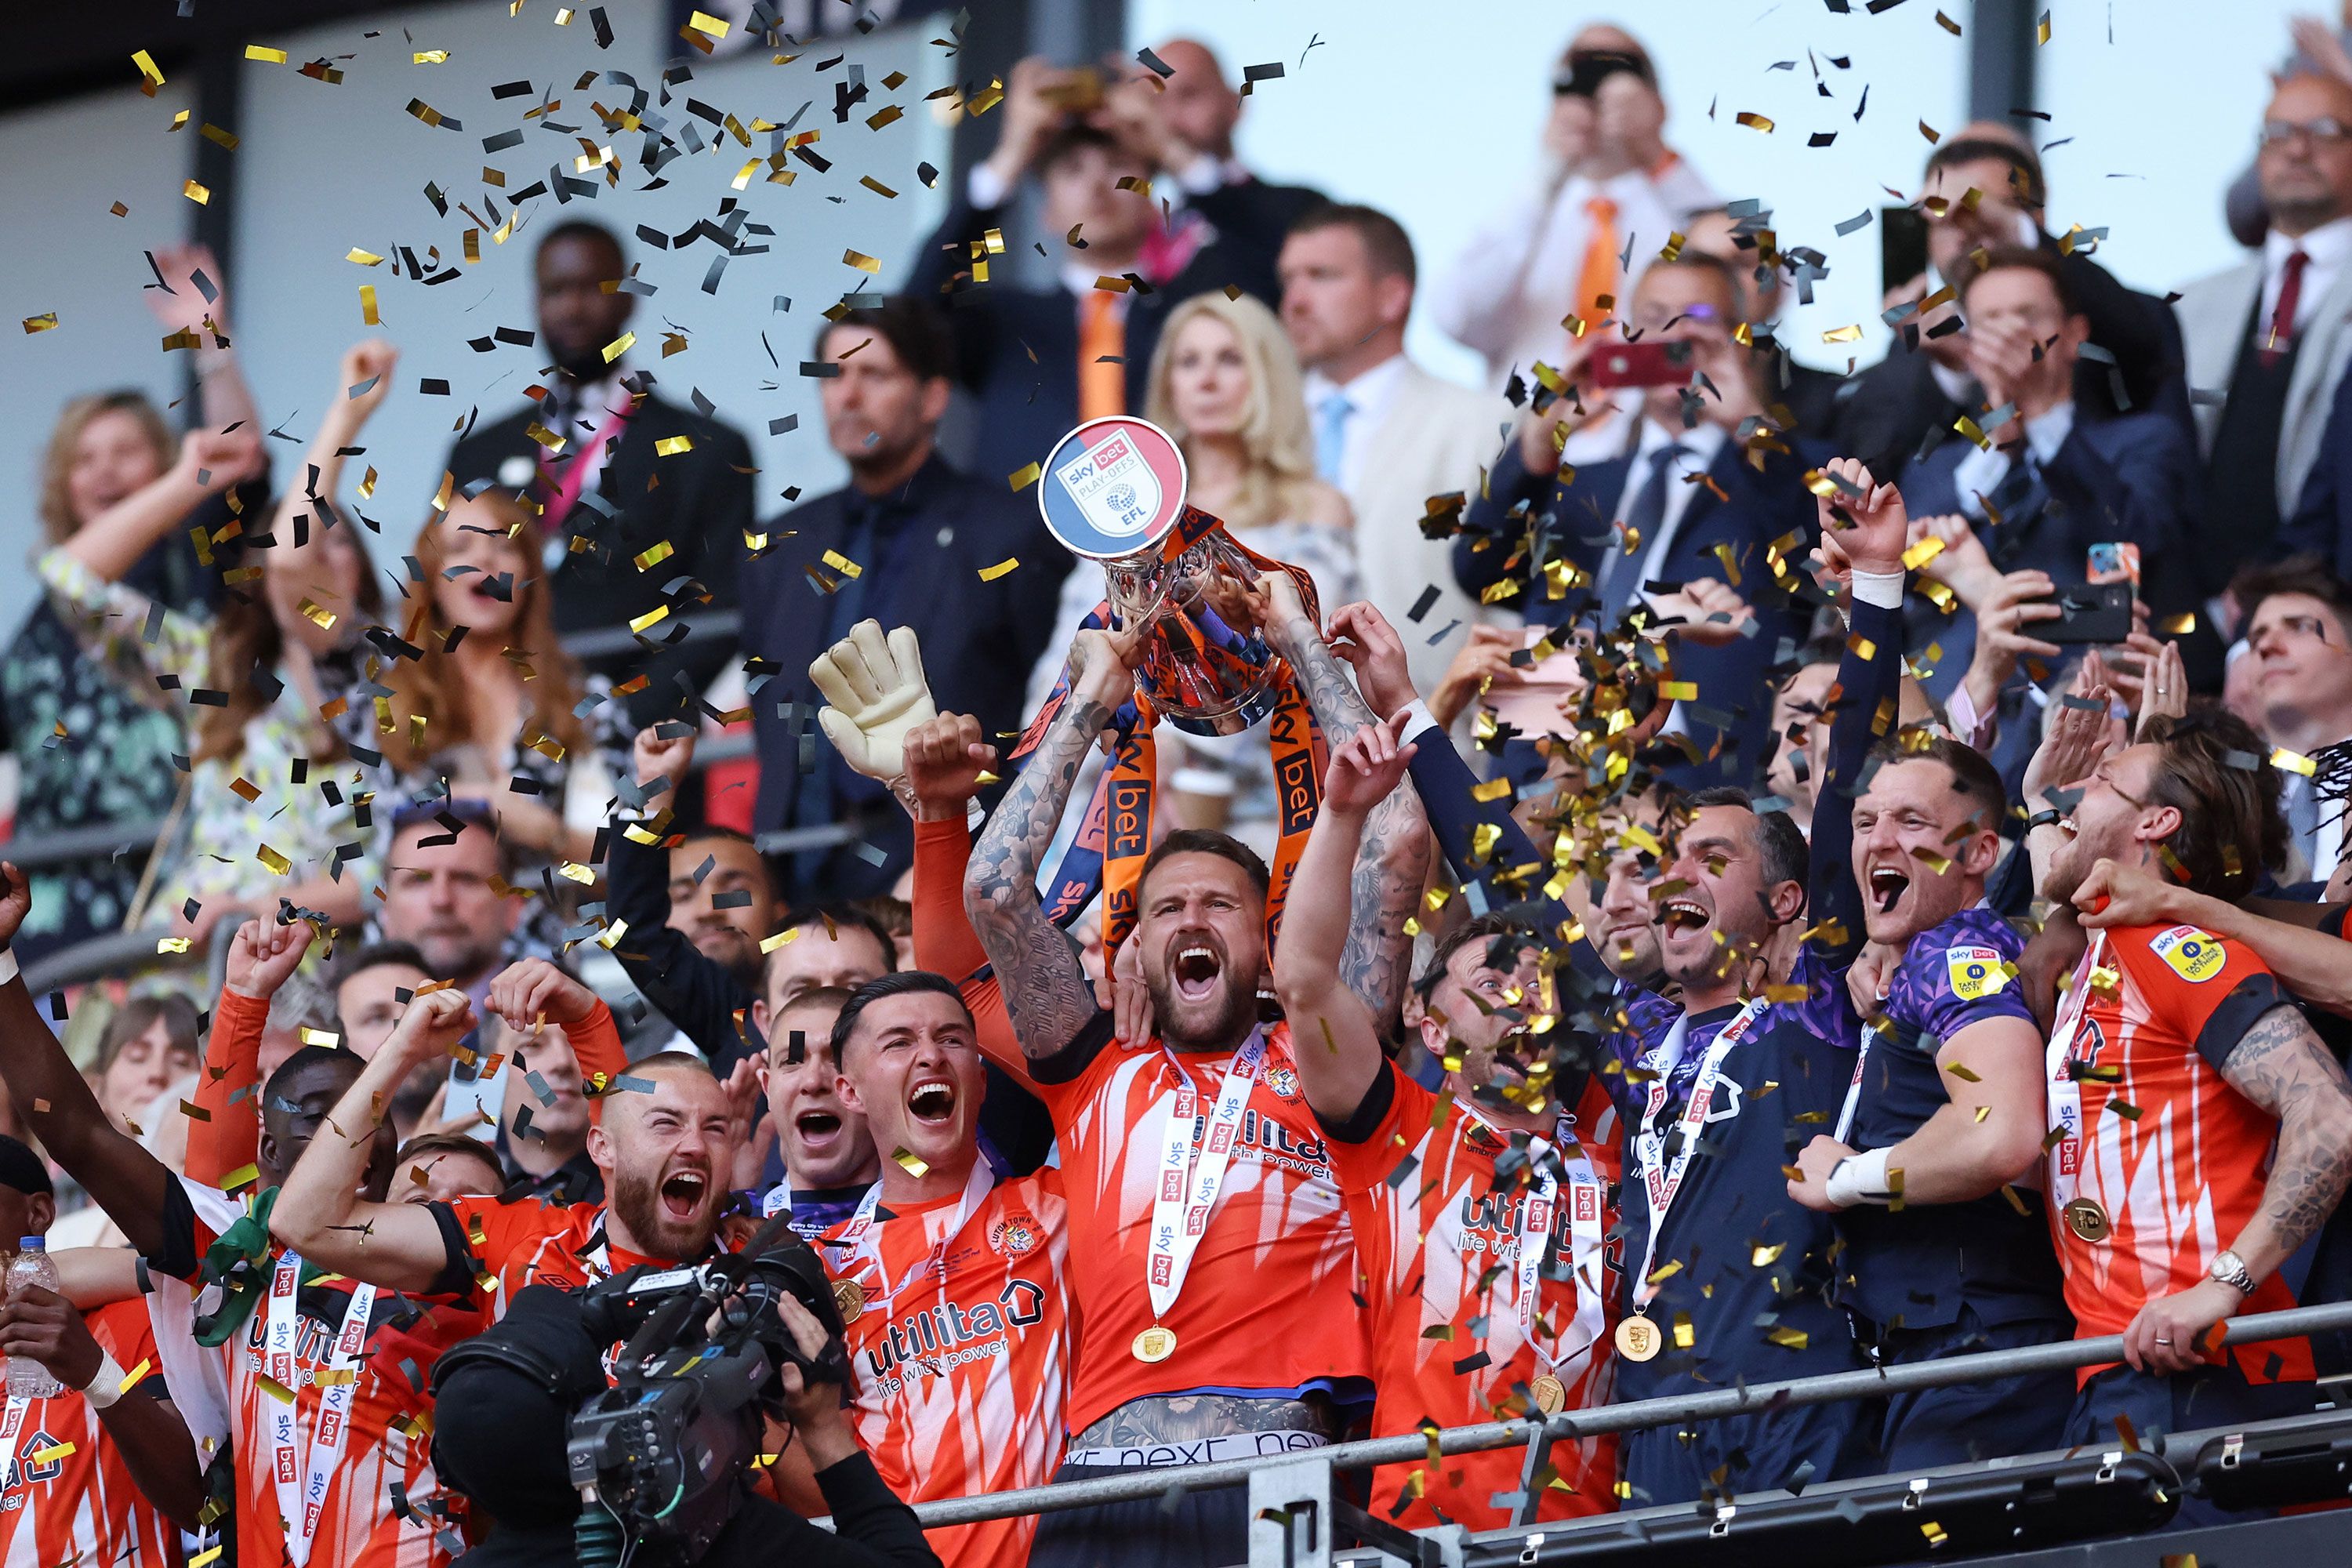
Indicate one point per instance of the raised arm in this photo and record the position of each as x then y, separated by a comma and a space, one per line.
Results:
363, 378
1393, 852
320, 1212
1334, 1033
2313, 965
1862, 533
110, 544
50, 1093
181, 304
2282, 1066
534, 993
1045, 990
226, 1136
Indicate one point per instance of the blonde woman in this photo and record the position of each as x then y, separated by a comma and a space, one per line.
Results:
90, 752
1226, 385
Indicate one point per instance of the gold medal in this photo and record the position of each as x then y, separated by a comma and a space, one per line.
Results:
1155, 1343
850, 1297
1550, 1394
1638, 1338
2087, 1219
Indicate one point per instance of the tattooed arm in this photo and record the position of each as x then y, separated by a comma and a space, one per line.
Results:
1045, 990
1393, 859
2280, 1064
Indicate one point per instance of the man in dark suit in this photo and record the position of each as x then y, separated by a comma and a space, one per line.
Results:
2322, 522
1901, 406
591, 449
1037, 361
925, 547
2057, 477
1683, 501
1807, 396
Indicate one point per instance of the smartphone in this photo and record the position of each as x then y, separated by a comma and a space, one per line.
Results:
1587, 70
1641, 364
1079, 91
2114, 561
2089, 613
1902, 247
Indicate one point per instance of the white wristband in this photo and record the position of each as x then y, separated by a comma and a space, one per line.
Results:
7, 965
106, 1387
1860, 1180
1884, 589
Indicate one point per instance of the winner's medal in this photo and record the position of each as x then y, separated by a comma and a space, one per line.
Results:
1154, 1343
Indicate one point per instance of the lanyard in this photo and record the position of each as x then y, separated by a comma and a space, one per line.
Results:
863, 1252
301, 1509
1662, 1179
1533, 1235
566, 480
2065, 1092
1190, 1172
1870, 1034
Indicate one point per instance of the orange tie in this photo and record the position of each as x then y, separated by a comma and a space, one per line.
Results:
1102, 347
1597, 277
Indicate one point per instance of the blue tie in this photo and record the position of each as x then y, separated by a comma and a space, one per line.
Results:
1621, 571
1330, 434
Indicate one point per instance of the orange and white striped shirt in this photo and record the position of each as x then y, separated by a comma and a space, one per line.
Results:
961, 1350
374, 1474
1442, 1235
2172, 1154
65, 1494
1266, 1307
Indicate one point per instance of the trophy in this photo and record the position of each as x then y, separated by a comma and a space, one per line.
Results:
1113, 491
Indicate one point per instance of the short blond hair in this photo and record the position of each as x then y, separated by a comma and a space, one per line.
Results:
58, 520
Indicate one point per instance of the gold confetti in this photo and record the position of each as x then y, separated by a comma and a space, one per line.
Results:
990, 573
1765, 1257
2178, 625
671, 446
1788, 1338
651, 617
147, 68
2293, 763
1848, 334
770, 944
200, 194
54, 1451
319, 617
654, 557
2041, 30
1919, 555
704, 22
1021, 479
278, 864
859, 259
1753, 122
1685, 690
843, 563
619, 346
172, 944
429, 57
367, 305
241, 1176
1492, 790
326, 1037
424, 112
910, 1162
264, 54
47, 321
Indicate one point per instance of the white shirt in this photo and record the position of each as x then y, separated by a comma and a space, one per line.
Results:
2329, 247
1369, 396
1703, 442
1981, 470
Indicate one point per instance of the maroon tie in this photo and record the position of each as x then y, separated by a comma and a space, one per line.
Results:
2282, 333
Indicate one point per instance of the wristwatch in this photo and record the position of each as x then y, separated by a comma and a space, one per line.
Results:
2229, 1270
2043, 818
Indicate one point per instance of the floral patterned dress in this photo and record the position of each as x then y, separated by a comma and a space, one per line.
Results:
89, 753
267, 819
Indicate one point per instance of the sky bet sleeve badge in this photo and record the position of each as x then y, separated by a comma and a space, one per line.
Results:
1976, 972
2195, 955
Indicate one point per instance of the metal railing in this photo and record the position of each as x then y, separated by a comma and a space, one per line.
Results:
1537, 1437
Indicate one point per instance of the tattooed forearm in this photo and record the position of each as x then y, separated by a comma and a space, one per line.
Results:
1045, 991
1333, 697
1391, 863
1188, 1418
2282, 1066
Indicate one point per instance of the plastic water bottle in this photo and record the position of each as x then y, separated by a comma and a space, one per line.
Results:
28, 1379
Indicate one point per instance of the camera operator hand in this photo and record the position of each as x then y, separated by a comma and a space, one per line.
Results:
815, 1409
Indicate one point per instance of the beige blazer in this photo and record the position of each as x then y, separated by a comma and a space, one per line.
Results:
1435, 436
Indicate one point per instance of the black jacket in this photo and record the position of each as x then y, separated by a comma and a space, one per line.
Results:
701, 507
1017, 349
938, 534
1895, 411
